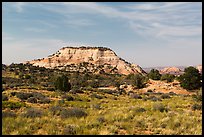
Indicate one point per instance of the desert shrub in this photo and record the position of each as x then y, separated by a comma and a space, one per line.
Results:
69, 130
196, 107
96, 96
96, 106
32, 100
159, 107
75, 90
108, 91
135, 96
38, 95
130, 92
73, 112
154, 98
27, 76
140, 124
56, 110
172, 93
139, 110
23, 96
50, 89
44, 101
68, 97
61, 83
94, 84
191, 79
4, 97
32, 113
101, 119
12, 105
154, 74
165, 96
168, 77
198, 95
8, 114
13, 93
149, 91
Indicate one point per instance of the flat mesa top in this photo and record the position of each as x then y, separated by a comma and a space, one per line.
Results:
85, 48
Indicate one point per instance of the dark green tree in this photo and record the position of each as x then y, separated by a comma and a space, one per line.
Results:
168, 77
191, 79
139, 81
62, 83
154, 74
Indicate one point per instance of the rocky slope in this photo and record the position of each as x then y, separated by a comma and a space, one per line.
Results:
199, 67
88, 59
171, 70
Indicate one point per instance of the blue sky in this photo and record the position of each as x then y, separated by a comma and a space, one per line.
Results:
144, 33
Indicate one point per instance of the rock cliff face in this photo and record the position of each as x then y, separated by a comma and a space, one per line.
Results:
199, 67
88, 59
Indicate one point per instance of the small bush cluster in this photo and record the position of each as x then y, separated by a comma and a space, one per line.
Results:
73, 112
140, 110
12, 105
135, 96
101, 119
159, 107
32, 113
165, 96
8, 114
32, 100
4, 97
69, 130
154, 98
23, 96
196, 107
68, 97
172, 93
56, 110
96, 96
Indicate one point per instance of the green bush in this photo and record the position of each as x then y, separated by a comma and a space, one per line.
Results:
68, 97
4, 97
196, 107
191, 79
139, 81
62, 83
12, 105
154, 74
168, 77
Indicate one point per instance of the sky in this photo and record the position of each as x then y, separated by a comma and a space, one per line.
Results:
149, 34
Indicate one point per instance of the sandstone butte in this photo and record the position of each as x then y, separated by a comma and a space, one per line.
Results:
88, 59
170, 70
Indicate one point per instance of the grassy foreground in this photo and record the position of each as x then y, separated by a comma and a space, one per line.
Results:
98, 113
